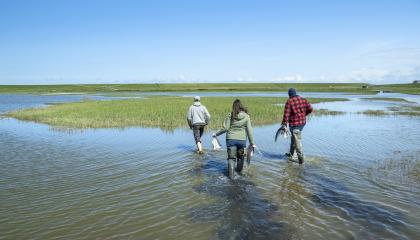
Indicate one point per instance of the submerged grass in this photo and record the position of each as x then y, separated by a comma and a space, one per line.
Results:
324, 111
374, 112
387, 99
167, 112
404, 110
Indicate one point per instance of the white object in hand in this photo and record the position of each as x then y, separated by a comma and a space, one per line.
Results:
216, 144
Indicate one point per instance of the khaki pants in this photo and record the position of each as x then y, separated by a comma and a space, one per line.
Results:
296, 142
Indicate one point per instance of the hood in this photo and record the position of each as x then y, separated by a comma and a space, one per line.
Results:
241, 115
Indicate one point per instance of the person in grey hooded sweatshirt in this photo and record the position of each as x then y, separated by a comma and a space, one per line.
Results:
198, 117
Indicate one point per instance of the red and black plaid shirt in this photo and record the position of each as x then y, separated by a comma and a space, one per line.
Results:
295, 111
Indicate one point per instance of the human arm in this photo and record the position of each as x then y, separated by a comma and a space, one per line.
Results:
250, 131
226, 126
189, 117
309, 108
286, 113
207, 115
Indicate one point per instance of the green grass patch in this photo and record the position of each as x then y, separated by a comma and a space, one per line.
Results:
358, 88
187, 87
414, 108
411, 88
167, 112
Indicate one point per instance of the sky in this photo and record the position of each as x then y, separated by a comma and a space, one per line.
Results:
59, 41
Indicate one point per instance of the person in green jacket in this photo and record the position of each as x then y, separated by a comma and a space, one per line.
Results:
238, 127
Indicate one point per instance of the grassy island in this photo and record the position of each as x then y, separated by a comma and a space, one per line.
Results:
159, 111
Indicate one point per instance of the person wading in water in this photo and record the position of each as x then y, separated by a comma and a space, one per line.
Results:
238, 127
198, 117
295, 111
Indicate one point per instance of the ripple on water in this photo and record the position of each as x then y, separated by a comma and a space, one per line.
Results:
359, 181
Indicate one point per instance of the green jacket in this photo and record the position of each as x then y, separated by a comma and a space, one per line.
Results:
239, 129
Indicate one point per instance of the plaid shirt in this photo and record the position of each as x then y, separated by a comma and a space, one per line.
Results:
295, 111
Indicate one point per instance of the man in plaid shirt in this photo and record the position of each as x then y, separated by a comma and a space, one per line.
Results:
295, 111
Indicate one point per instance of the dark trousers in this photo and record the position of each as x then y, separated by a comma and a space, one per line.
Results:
198, 131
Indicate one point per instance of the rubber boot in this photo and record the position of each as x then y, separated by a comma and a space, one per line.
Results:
231, 168
200, 148
301, 160
231, 151
240, 160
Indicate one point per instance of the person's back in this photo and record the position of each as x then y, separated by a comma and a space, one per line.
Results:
296, 110
198, 117
240, 127
198, 114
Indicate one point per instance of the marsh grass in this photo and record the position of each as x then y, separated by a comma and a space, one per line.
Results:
167, 112
408, 113
374, 112
406, 110
403, 110
184, 87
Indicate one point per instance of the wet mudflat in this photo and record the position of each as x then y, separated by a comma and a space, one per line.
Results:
361, 181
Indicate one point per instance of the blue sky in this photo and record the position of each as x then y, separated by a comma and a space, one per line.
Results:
50, 42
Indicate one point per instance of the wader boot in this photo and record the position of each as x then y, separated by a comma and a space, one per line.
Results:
297, 139
231, 161
240, 160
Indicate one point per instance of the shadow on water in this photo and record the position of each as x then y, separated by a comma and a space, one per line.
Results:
337, 198
276, 156
272, 155
240, 210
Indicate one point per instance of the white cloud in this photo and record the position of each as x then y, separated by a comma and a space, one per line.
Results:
381, 76
290, 78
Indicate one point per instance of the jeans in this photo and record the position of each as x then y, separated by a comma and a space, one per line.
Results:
296, 142
236, 151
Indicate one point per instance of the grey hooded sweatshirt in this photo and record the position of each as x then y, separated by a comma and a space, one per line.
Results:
198, 114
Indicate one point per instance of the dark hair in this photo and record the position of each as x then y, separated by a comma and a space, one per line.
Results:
236, 108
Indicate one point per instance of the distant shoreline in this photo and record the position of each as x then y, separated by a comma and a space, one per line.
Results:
359, 88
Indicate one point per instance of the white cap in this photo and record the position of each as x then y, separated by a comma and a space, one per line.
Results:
197, 98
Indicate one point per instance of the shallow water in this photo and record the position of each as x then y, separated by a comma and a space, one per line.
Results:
360, 181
